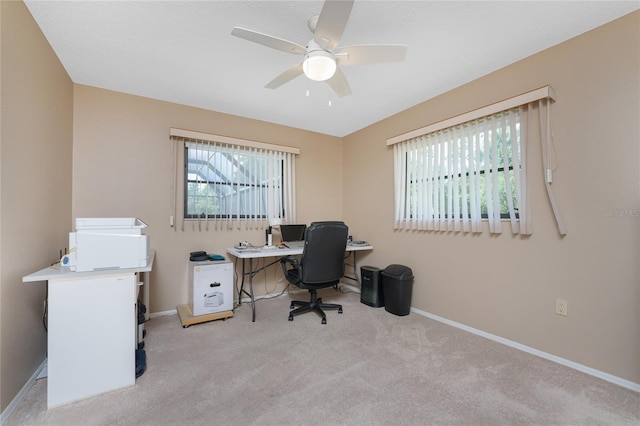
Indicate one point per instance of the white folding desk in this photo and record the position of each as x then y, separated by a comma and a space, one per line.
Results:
92, 326
248, 254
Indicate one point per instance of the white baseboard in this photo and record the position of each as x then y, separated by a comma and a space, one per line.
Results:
583, 368
23, 392
163, 313
44, 370
349, 287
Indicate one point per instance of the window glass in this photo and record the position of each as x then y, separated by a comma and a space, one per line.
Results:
228, 182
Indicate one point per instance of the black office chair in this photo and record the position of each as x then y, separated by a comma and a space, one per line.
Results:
321, 265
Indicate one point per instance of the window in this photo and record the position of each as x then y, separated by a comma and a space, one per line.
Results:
231, 182
453, 174
459, 175
228, 183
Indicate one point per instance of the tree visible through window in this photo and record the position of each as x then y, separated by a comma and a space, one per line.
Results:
504, 171
460, 175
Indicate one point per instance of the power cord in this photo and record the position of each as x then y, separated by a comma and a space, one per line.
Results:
64, 258
264, 267
273, 296
45, 314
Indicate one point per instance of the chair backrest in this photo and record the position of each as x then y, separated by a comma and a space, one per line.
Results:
322, 258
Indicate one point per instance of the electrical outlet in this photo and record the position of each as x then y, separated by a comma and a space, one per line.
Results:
561, 307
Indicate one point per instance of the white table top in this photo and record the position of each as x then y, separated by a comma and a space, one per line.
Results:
58, 272
252, 253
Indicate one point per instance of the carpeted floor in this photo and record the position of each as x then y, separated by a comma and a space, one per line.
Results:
364, 367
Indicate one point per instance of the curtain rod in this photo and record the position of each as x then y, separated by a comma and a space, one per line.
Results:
525, 98
191, 134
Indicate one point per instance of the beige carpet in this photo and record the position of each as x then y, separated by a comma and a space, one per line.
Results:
364, 367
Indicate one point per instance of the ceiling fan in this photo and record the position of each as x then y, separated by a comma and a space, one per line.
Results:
321, 54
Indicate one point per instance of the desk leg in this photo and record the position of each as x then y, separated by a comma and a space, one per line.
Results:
241, 290
355, 267
253, 301
250, 293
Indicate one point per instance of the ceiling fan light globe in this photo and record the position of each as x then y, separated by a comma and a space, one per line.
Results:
319, 66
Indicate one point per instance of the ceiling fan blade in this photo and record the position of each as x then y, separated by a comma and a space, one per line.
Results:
331, 23
339, 83
365, 54
285, 77
269, 41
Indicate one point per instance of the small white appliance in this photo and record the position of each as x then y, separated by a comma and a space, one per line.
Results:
108, 243
213, 300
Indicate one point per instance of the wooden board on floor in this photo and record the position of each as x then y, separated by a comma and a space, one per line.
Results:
187, 318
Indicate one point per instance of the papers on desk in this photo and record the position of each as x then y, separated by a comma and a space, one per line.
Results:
293, 244
247, 249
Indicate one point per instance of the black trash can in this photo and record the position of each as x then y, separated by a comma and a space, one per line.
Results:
371, 290
397, 283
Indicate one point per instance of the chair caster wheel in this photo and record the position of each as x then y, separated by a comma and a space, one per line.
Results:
319, 299
324, 320
339, 310
290, 317
291, 306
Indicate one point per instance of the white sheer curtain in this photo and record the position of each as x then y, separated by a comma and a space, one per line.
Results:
445, 179
241, 184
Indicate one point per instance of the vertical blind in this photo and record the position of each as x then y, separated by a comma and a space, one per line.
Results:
450, 175
230, 183
446, 180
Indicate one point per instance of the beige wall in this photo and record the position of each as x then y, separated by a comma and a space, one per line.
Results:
508, 285
122, 167
36, 140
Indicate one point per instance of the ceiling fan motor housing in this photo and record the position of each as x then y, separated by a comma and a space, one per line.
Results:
322, 54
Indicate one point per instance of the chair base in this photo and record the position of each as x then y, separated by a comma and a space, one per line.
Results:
315, 305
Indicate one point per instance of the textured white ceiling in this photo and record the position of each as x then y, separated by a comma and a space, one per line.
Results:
182, 51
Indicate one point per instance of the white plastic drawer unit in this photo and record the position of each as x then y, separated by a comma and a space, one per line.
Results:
210, 287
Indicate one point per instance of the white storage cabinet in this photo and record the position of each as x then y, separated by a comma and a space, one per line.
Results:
92, 328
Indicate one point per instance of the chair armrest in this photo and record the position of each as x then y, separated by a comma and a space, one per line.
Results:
293, 261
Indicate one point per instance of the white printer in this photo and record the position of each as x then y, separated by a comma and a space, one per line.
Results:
108, 243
